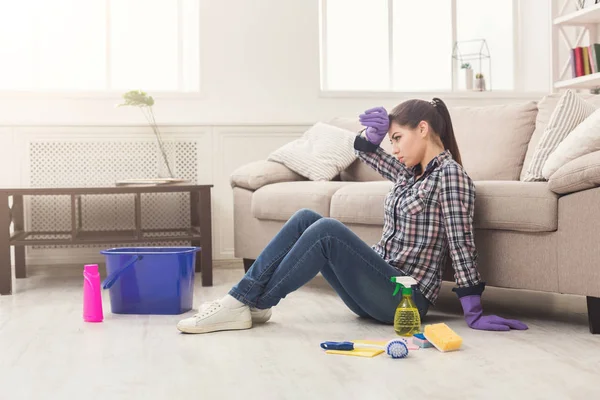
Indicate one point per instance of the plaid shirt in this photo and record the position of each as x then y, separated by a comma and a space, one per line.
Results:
425, 219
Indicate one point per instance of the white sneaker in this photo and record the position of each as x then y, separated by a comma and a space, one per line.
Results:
258, 316
216, 317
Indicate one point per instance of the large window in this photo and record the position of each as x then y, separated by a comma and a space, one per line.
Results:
407, 45
99, 45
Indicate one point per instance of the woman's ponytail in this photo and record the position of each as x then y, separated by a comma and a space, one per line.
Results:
447, 131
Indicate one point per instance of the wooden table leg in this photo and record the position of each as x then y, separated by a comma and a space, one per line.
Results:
204, 211
5, 267
19, 221
195, 222
138, 216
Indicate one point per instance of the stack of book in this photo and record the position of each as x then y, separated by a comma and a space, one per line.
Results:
585, 60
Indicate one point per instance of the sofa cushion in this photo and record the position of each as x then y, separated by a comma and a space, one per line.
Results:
546, 107
280, 201
516, 206
359, 171
584, 139
360, 203
320, 154
493, 139
260, 173
579, 174
504, 205
570, 111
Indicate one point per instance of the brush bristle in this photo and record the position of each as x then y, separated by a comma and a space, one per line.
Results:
396, 349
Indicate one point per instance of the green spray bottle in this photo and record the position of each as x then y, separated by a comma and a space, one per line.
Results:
407, 320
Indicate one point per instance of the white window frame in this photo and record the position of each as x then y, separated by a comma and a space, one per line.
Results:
453, 93
109, 93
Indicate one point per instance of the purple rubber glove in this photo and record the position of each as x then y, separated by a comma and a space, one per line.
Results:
377, 122
473, 315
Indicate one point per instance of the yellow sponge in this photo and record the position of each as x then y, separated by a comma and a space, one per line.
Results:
442, 337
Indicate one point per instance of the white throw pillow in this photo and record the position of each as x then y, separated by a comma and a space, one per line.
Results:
570, 111
320, 154
584, 139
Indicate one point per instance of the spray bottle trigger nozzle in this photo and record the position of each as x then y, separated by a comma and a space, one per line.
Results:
406, 282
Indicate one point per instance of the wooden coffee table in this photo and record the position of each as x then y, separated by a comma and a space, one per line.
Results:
199, 231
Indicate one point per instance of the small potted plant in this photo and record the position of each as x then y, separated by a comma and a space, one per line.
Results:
140, 99
479, 82
468, 75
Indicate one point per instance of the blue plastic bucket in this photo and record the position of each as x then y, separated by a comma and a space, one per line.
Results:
150, 280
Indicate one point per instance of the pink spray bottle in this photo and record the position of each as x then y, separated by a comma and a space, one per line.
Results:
92, 297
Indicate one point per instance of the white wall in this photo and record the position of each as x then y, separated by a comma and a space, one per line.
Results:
260, 88
260, 64
535, 46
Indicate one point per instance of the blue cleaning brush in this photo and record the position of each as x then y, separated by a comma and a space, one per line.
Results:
395, 348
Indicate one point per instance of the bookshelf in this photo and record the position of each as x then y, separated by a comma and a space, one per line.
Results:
581, 82
572, 28
588, 15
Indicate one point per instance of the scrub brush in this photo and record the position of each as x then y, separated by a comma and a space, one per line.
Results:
395, 348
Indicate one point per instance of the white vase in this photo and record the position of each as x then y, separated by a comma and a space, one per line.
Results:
469, 78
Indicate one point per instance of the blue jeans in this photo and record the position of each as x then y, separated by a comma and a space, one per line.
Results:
308, 244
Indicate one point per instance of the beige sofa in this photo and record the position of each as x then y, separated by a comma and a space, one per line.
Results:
530, 235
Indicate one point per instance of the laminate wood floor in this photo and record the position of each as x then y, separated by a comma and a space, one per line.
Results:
48, 352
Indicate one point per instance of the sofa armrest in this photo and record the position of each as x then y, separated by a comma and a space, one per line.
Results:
260, 173
579, 174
